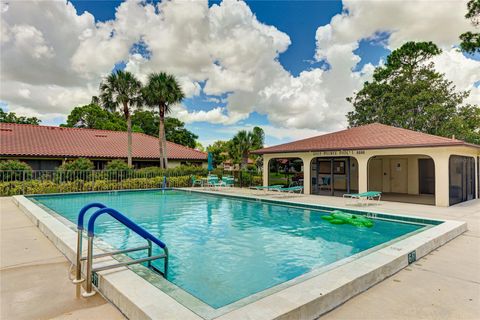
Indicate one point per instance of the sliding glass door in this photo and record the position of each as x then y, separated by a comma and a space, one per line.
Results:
462, 179
334, 176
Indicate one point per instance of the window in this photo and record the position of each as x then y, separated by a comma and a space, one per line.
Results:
461, 179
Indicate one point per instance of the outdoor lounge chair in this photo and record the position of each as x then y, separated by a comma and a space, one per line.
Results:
196, 182
294, 189
228, 181
364, 196
272, 187
212, 181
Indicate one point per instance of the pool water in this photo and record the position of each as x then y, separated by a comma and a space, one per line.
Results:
223, 249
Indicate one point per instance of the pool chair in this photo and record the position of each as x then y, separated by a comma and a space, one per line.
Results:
228, 181
364, 196
196, 182
212, 180
273, 187
295, 189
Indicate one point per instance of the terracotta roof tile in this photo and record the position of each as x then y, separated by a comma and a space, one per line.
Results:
371, 136
31, 140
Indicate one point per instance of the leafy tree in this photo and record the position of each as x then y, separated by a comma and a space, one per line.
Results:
407, 92
219, 150
175, 131
11, 117
241, 144
14, 170
80, 164
258, 138
117, 165
121, 89
162, 91
92, 116
199, 146
471, 40
147, 121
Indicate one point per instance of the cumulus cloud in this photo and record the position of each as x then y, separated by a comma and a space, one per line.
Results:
217, 115
56, 60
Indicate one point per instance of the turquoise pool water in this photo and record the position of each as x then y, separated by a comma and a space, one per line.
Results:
224, 249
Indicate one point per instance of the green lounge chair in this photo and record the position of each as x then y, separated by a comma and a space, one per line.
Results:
196, 181
272, 187
228, 181
212, 181
295, 189
364, 196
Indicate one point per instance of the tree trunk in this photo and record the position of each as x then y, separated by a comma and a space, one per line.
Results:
161, 137
244, 160
129, 134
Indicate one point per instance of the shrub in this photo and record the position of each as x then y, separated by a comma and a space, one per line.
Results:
48, 186
80, 164
177, 171
16, 170
117, 165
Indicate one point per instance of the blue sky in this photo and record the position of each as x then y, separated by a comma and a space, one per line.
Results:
298, 19
289, 68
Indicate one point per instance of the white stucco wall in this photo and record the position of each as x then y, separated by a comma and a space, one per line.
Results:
440, 156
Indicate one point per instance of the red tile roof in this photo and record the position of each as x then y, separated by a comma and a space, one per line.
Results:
371, 136
32, 140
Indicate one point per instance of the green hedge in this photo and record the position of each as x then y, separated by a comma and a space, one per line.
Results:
48, 186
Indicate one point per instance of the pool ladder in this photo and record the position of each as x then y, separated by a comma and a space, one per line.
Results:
90, 272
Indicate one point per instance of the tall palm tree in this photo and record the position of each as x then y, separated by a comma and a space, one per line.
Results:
162, 91
241, 145
244, 142
121, 89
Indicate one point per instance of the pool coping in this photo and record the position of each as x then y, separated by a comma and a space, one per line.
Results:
139, 299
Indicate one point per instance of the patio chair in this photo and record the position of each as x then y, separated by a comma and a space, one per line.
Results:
325, 183
196, 181
295, 189
212, 180
364, 196
272, 187
229, 181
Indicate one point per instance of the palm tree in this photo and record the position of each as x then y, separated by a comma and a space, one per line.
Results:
121, 89
162, 91
244, 142
240, 146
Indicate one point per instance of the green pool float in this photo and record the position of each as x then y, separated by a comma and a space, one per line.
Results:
340, 217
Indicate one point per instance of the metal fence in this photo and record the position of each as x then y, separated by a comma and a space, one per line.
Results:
15, 182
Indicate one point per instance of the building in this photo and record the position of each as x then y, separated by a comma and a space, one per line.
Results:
228, 165
45, 147
404, 165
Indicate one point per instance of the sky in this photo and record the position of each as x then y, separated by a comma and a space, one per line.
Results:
287, 66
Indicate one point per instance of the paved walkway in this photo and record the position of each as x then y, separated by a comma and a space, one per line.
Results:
443, 285
34, 275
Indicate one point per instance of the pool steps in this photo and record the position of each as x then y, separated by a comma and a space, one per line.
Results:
103, 209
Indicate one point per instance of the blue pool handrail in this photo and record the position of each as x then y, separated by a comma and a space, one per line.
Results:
83, 211
125, 221
103, 209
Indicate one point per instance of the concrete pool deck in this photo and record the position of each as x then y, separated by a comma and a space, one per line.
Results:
34, 280
444, 284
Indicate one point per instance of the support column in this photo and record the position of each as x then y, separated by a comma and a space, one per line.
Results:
266, 169
307, 175
442, 181
362, 173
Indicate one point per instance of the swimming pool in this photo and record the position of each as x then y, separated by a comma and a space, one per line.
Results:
223, 249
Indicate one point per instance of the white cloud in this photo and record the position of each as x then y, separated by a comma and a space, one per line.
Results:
461, 71
217, 115
55, 60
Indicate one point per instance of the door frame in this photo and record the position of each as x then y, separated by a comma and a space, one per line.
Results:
420, 177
